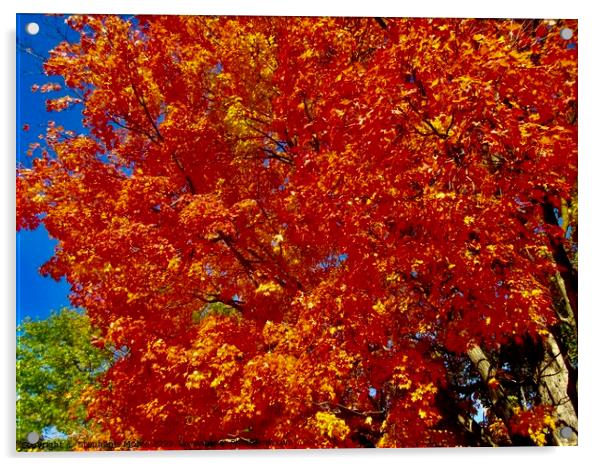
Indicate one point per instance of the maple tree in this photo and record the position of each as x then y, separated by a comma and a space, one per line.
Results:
319, 232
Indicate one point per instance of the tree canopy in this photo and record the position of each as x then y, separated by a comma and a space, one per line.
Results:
56, 363
319, 232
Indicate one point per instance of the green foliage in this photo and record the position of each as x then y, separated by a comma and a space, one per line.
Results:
56, 362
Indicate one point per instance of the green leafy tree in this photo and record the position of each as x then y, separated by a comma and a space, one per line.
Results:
56, 362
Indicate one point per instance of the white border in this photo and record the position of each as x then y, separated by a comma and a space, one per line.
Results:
590, 184
458, 8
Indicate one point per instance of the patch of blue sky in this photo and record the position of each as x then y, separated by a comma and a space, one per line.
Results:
282, 187
332, 260
52, 433
38, 296
31, 106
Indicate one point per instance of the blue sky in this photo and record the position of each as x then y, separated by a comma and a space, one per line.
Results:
38, 296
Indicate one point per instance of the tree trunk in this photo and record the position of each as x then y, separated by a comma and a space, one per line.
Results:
553, 387
487, 372
566, 269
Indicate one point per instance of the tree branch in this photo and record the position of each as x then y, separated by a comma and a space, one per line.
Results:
381, 23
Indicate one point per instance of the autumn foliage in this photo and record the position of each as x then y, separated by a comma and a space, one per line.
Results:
318, 232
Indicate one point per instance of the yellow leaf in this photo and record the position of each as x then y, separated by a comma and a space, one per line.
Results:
423, 390
268, 288
173, 263
379, 307
330, 425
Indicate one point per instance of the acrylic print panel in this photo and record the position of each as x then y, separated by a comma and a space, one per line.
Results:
289, 232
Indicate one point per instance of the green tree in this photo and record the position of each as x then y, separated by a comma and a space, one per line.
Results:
56, 362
